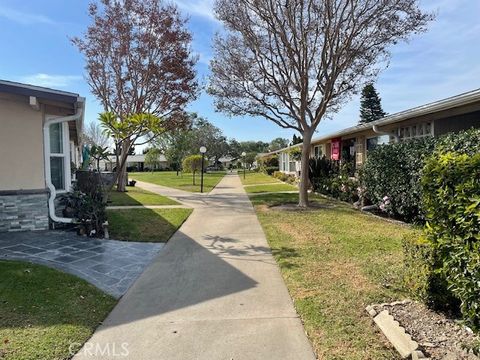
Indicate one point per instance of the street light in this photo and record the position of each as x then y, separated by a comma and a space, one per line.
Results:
244, 154
203, 150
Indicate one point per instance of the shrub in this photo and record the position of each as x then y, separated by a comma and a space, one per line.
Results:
465, 142
270, 170
291, 179
420, 277
270, 161
329, 178
451, 189
391, 177
86, 203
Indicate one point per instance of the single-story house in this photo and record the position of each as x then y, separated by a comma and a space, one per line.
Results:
460, 112
134, 163
40, 132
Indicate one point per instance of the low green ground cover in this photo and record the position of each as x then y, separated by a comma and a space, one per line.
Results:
335, 261
44, 311
138, 196
183, 181
149, 225
270, 188
253, 178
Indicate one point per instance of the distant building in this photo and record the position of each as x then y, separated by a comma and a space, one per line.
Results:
134, 163
352, 144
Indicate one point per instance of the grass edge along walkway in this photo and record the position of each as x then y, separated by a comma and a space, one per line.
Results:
335, 261
46, 313
182, 181
146, 224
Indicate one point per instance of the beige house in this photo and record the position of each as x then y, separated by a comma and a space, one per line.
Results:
39, 144
352, 144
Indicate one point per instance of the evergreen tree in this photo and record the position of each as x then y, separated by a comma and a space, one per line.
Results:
370, 105
296, 140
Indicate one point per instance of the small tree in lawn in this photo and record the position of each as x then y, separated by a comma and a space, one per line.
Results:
295, 62
192, 163
140, 67
370, 105
250, 159
152, 158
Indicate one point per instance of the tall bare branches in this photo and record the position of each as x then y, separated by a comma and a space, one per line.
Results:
138, 61
295, 61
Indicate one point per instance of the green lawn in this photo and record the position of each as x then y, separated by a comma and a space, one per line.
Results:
43, 311
252, 178
150, 225
335, 261
182, 181
270, 188
137, 196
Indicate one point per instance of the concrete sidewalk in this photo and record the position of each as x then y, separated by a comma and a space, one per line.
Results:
214, 292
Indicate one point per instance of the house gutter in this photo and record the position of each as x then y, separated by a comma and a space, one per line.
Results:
53, 192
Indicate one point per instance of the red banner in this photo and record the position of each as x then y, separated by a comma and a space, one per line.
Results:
335, 148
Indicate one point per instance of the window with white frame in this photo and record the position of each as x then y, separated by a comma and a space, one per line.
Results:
285, 166
319, 151
415, 131
59, 146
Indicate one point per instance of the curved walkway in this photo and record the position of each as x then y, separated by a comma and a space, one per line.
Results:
214, 291
110, 265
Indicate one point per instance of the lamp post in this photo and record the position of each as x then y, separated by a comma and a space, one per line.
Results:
244, 164
203, 150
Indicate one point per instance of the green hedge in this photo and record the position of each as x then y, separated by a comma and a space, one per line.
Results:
465, 142
421, 279
451, 188
329, 178
391, 177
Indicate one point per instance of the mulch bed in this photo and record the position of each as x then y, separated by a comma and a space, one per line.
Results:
438, 336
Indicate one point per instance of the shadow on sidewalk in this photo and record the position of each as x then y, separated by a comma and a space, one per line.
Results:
184, 274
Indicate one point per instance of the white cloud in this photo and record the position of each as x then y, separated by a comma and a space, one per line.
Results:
203, 8
24, 18
47, 80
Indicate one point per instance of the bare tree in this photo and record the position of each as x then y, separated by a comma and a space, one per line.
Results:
93, 135
138, 62
295, 62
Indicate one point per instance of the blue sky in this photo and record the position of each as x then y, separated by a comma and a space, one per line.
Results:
440, 63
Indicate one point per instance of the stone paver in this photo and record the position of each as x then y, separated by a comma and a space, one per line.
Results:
214, 292
110, 265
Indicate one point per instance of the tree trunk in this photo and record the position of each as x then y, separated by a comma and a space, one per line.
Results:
304, 182
193, 177
122, 167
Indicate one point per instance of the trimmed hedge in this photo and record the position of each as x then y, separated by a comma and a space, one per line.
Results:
451, 187
288, 178
465, 142
329, 178
270, 170
391, 177
420, 277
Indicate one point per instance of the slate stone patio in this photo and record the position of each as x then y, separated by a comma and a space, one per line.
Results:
110, 265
